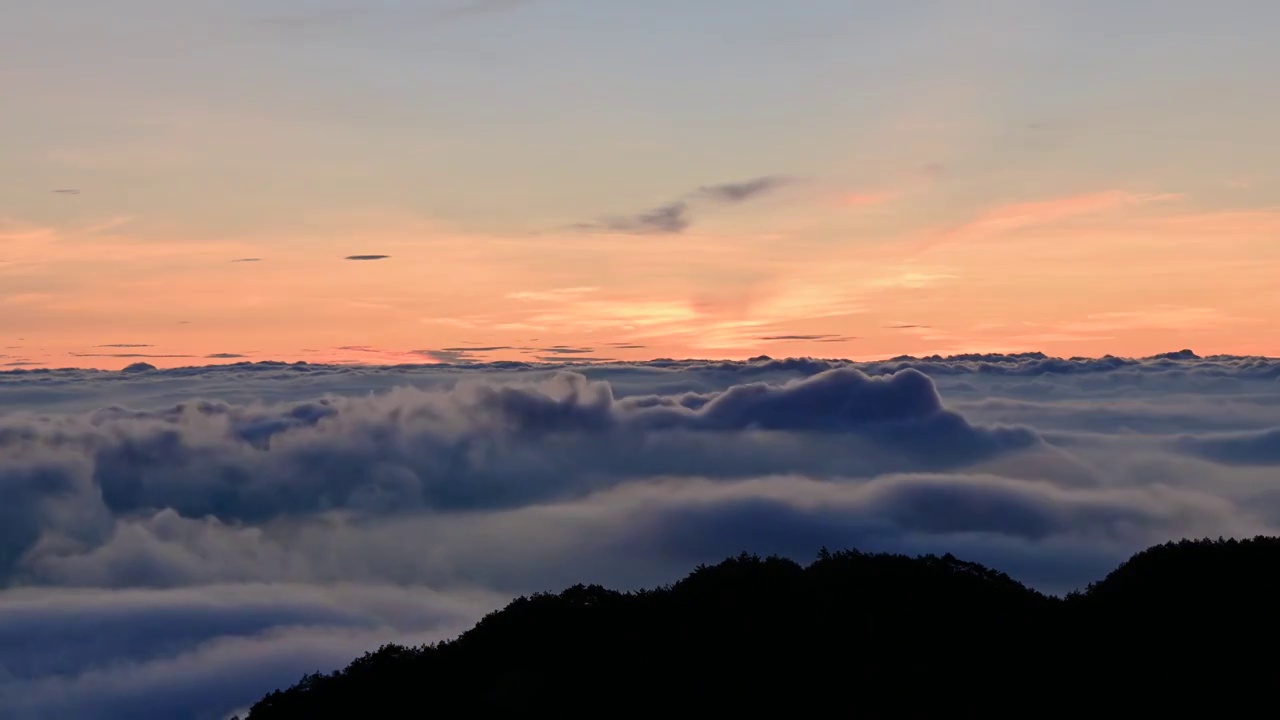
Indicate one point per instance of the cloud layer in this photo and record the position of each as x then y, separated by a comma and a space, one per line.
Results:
180, 541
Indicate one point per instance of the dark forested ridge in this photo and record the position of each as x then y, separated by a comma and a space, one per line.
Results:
1178, 626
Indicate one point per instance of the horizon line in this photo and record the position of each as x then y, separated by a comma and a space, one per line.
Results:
1180, 355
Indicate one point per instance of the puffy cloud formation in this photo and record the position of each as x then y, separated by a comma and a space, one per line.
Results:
178, 542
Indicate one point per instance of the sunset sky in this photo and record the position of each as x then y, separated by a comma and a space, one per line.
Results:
184, 182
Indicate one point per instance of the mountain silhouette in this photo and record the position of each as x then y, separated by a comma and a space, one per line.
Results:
1182, 628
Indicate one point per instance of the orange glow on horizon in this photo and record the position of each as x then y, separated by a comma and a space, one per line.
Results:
1143, 275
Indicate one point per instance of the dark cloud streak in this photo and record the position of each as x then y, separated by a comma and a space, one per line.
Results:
742, 191
447, 355
675, 217
666, 219
129, 355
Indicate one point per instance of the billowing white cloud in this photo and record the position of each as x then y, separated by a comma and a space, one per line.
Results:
178, 542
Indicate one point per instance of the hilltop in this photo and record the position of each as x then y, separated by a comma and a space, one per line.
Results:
861, 634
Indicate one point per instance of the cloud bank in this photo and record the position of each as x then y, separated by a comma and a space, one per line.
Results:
178, 542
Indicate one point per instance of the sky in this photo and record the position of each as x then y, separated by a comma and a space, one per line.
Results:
408, 195
185, 182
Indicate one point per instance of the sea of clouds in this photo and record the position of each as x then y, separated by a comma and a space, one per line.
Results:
175, 543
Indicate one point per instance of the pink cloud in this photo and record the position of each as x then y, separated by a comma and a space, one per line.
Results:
1012, 217
1016, 216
